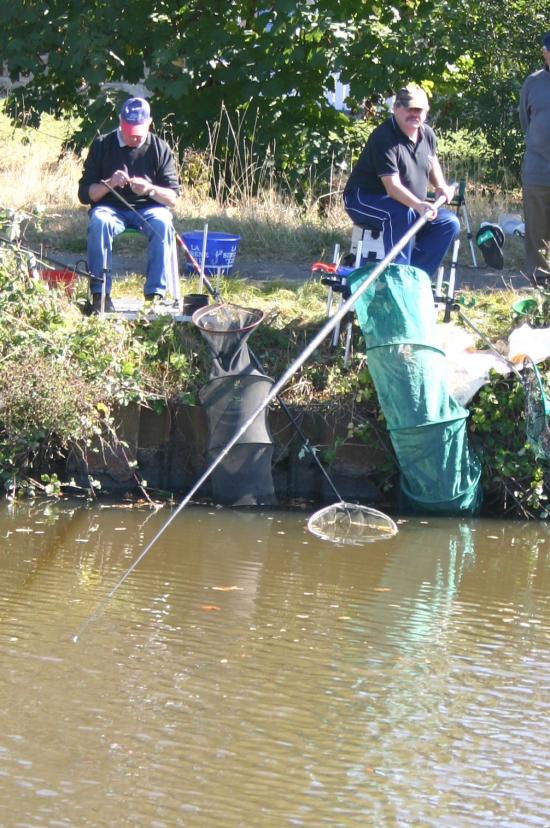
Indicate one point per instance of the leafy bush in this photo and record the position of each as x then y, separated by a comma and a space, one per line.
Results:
62, 373
514, 481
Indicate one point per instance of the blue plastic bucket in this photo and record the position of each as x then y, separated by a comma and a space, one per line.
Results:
221, 249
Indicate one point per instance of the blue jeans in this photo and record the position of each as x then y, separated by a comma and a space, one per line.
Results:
107, 222
427, 250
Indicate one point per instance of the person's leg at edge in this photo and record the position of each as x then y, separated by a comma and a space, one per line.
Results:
159, 231
394, 218
536, 213
104, 224
433, 240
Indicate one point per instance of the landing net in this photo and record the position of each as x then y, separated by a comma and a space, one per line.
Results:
349, 523
226, 328
537, 410
225, 318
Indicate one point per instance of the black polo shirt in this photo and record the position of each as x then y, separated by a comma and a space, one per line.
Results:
388, 151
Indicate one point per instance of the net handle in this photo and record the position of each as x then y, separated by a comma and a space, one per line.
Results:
322, 334
527, 361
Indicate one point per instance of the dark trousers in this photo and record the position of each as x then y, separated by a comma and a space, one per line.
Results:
427, 250
536, 213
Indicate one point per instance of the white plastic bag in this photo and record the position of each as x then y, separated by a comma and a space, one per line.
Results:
528, 341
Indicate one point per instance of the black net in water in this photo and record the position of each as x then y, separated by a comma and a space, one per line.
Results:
235, 390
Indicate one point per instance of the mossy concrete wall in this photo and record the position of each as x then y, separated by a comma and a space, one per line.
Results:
170, 450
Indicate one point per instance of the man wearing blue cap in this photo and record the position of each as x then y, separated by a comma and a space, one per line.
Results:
138, 165
534, 116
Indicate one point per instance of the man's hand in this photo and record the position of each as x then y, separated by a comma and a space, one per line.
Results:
119, 179
140, 186
447, 190
426, 209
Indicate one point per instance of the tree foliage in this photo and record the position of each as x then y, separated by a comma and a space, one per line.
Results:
274, 60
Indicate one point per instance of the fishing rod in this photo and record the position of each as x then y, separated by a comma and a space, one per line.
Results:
45, 259
327, 328
511, 366
537, 403
217, 298
144, 220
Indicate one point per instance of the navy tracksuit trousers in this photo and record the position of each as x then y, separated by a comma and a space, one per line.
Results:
426, 250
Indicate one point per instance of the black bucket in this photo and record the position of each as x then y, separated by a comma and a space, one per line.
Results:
192, 302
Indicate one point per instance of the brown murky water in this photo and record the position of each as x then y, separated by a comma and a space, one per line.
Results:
248, 674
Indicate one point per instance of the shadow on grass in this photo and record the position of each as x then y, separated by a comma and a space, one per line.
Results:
260, 237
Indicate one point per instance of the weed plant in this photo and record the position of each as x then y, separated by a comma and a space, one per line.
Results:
63, 376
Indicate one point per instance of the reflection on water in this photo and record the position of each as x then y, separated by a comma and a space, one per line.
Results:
250, 674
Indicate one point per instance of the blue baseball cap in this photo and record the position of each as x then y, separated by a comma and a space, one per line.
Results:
546, 41
135, 116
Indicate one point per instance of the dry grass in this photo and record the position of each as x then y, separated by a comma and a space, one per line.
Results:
35, 172
272, 223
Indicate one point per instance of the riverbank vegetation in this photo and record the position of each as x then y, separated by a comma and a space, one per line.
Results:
63, 376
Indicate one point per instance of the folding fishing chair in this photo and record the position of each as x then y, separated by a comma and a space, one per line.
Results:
367, 247
459, 201
370, 235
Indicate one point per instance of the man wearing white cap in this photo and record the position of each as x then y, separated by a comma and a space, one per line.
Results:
534, 116
388, 186
139, 166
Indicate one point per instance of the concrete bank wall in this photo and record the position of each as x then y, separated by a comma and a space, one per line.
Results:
169, 448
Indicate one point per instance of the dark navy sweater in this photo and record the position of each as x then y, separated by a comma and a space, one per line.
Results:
153, 160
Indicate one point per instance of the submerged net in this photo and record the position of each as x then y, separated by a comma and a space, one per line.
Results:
349, 523
537, 410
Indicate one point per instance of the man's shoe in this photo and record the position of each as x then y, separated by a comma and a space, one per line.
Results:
96, 303
153, 297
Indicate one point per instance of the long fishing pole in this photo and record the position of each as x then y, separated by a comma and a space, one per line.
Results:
488, 342
327, 328
537, 404
216, 296
179, 239
44, 259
